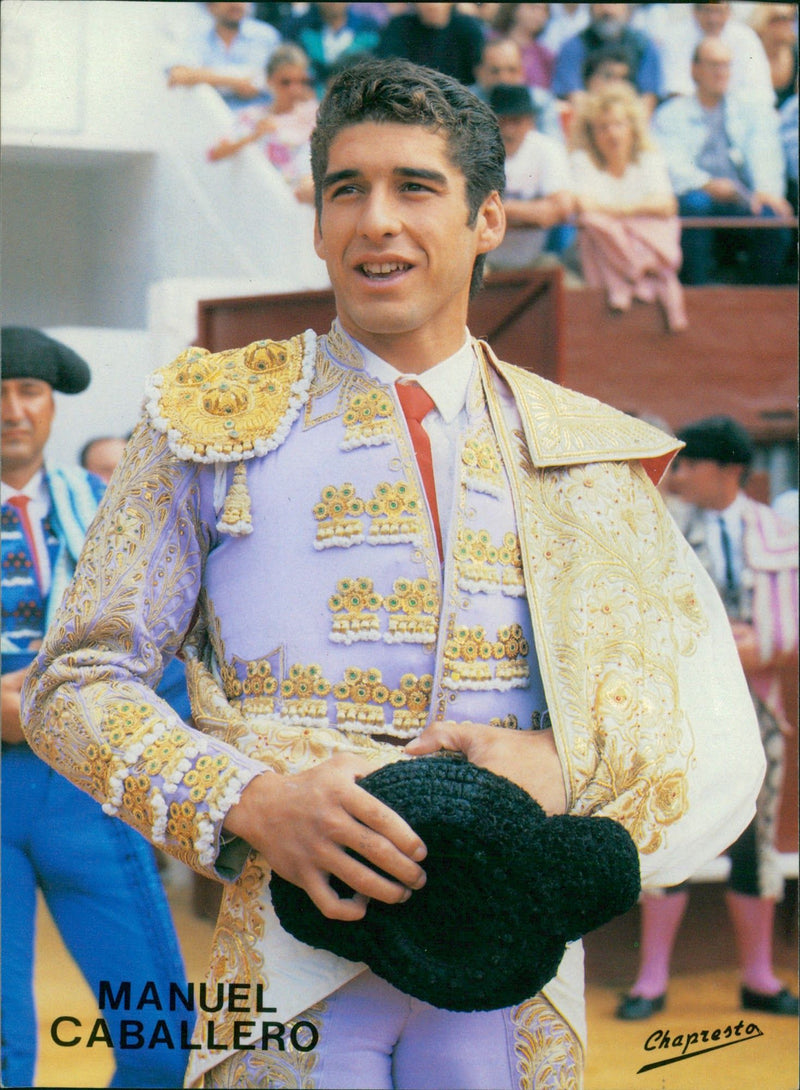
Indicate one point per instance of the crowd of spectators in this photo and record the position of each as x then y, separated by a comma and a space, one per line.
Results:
695, 104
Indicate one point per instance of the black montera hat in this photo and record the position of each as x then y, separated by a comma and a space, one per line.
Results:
510, 100
718, 439
29, 353
507, 887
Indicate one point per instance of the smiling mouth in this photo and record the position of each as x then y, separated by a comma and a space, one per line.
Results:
383, 270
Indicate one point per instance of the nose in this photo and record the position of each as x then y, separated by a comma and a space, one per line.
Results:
379, 215
11, 406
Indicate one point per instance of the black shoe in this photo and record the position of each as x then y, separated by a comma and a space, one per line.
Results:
635, 1007
782, 1002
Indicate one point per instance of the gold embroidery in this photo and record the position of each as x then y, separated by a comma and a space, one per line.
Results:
469, 657
482, 567
233, 404
396, 513
414, 605
337, 514
258, 687
265, 1069
549, 1053
482, 468
411, 702
368, 420
304, 691
359, 695
355, 606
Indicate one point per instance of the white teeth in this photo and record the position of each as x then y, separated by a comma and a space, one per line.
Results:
383, 269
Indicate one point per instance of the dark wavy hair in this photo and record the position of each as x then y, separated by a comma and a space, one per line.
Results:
399, 92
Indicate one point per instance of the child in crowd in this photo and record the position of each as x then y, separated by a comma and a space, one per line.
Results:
283, 128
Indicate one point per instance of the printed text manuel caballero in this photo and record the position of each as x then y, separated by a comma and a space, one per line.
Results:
223, 999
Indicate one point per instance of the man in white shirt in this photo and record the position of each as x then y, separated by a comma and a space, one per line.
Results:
538, 195
750, 74
750, 553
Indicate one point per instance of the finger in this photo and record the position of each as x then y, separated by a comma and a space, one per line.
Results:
381, 837
332, 905
443, 734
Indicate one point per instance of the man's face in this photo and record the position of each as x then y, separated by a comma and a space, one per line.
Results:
501, 63
514, 130
434, 14
711, 18
711, 72
609, 16
704, 483
28, 409
393, 231
229, 15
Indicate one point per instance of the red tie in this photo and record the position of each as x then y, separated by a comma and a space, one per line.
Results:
21, 502
416, 403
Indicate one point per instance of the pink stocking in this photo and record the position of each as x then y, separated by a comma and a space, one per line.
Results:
753, 919
661, 918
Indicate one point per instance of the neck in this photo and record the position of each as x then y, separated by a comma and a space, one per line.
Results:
708, 99
17, 477
227, 33
411, 354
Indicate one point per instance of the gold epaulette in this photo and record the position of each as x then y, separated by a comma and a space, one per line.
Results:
234, 405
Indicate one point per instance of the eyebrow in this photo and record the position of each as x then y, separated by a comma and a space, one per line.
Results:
337, 176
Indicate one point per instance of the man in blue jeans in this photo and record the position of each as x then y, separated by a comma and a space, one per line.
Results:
725, 158
98, 877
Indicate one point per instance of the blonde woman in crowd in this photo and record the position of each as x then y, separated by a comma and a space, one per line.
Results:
629, 233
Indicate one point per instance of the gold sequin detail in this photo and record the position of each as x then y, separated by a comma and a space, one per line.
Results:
395, 510
368, 420
355, 607
337, 515
414, 608
482, 468
473, 661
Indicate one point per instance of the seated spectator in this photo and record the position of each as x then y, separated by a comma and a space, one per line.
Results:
606, 68
725, 159
609, 26
788, 133
537, 195
776, 26
436, 35
750, 74
603, 69
283, 129
100, 455
524, 23
231, 54
330, 32
566, 20
501, 62
628, 230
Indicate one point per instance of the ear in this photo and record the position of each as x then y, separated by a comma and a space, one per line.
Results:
491, 223
319, 245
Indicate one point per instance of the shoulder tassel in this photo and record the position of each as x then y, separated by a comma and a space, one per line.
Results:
236, 516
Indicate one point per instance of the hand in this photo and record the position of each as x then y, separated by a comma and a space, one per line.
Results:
779, 206
181, 76
265, 125
722, 189
303, 823
526, 757
11, 690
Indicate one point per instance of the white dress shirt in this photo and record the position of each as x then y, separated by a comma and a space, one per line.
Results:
37, 492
